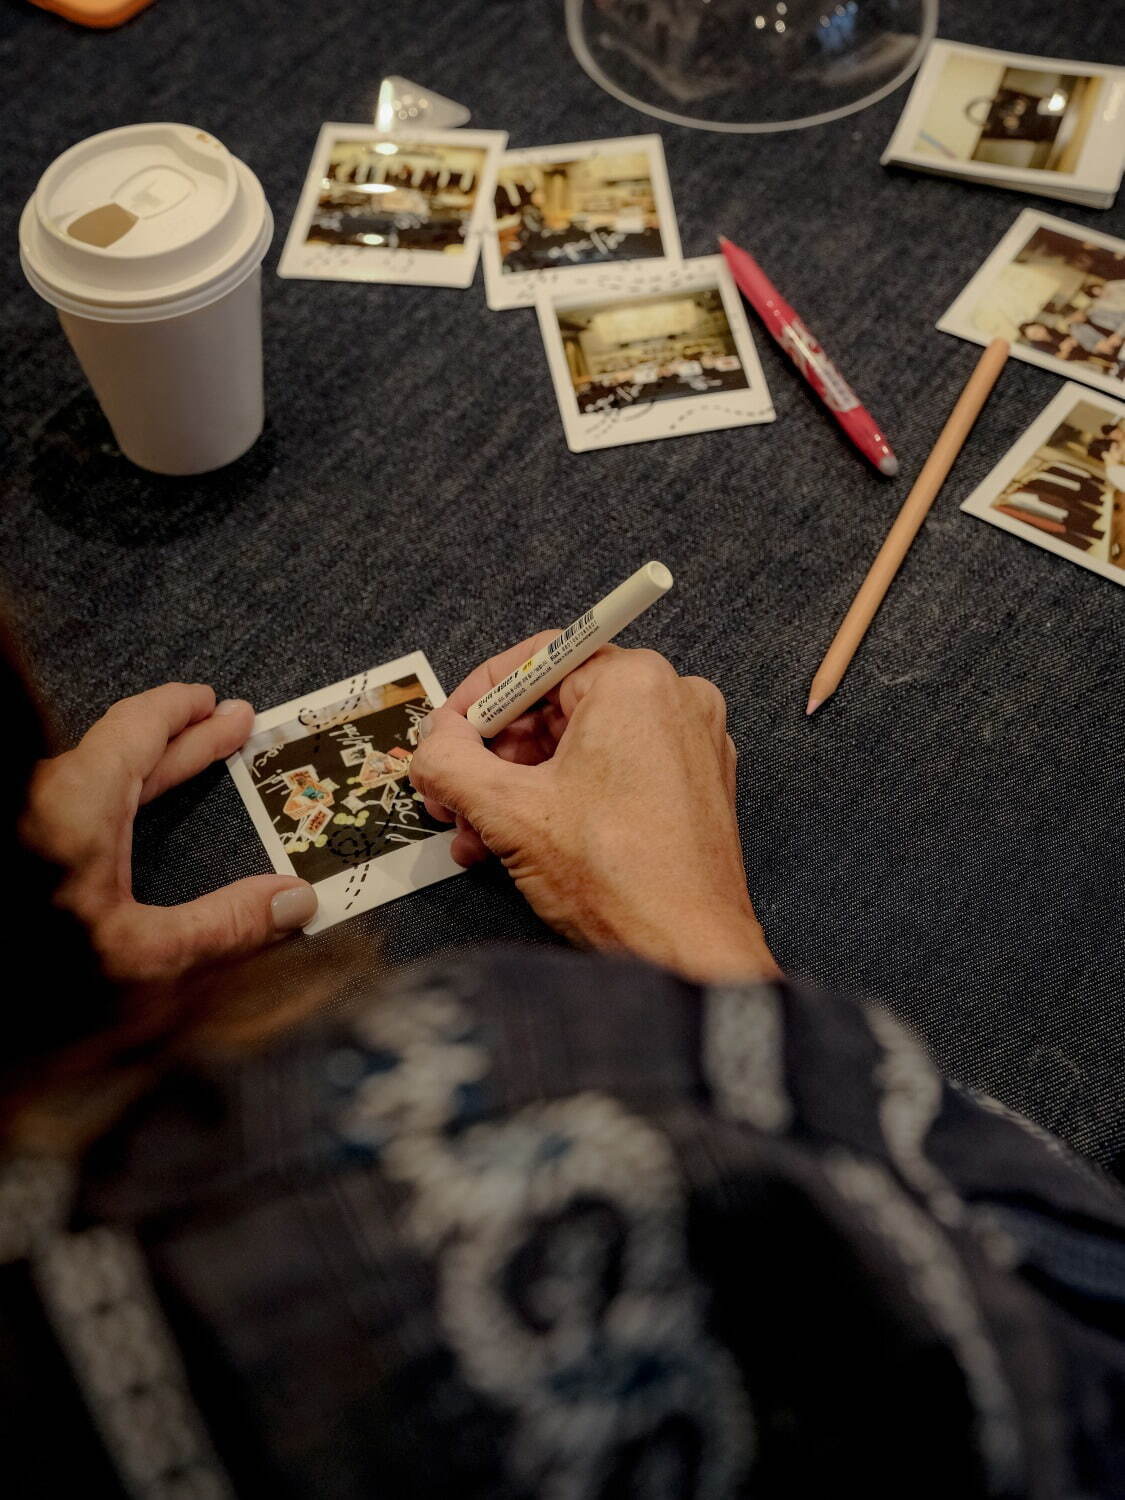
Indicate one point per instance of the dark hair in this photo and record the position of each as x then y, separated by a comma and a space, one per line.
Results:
74, 999
77, 1046
1049, 344
1110, 427
1053, 343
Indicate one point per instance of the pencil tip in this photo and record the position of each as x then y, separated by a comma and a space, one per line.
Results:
814, 704
888, 465
723, 241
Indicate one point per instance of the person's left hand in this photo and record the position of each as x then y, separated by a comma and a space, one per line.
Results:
80, 814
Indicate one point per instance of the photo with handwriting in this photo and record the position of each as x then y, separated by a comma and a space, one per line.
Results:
644, 349
657, 351
335, 783
407, 209
551, 214
397, 195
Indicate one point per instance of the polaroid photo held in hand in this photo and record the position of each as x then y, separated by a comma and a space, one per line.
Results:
409, 208
562, 214
1062, 485
1036, 124
1056, 292
326, 782
664, 351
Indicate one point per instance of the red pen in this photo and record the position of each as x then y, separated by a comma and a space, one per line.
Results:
803, 349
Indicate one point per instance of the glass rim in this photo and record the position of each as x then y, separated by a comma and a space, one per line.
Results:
576, 36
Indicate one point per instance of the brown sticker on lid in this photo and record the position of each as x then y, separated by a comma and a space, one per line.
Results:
102, 226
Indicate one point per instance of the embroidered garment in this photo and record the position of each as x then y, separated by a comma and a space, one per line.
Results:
533, 1224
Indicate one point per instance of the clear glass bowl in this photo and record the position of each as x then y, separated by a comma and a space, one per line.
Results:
750, 65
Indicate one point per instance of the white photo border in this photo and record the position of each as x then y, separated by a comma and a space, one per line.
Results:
646, 422
388, 876
980, 502
505, 290
957, 318
1102, 158
369, 263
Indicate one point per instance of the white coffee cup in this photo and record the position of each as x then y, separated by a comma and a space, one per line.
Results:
148, 240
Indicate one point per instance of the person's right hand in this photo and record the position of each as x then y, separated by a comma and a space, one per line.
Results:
611, 803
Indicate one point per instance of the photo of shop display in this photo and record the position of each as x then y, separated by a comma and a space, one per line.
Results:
983, 111
649, 349
1070, 487
598, 208
397, 195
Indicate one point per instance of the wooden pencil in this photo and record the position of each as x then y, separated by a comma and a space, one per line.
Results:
914, 510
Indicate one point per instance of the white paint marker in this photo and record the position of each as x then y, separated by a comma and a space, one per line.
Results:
497, 708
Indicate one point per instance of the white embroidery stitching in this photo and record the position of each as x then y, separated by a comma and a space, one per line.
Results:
557, 1181
743, 1055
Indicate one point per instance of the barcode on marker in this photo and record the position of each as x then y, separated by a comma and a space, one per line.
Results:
571, 631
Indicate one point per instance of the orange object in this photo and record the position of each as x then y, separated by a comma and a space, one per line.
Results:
102, 13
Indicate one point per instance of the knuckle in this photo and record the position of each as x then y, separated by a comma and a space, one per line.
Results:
710, 698
647, 668
431, 773
57, 789
229, 928
117, 728
48, 780
418, 773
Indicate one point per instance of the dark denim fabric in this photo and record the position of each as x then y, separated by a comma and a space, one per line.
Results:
945, 836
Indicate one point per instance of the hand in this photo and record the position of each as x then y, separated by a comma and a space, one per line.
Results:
611, 804
80, 815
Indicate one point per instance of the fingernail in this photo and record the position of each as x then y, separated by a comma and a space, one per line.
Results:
293, 908
426, 725
231, 706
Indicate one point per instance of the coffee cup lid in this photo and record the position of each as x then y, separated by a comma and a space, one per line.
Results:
133, 220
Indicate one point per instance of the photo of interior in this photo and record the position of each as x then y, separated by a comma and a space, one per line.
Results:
982, 111
596, 208
1070, 487
397, 195
650, 349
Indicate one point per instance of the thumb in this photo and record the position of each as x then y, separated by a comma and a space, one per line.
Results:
454, 770
161, 942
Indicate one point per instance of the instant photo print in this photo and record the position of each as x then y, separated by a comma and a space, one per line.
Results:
326, 781
1056, 292
409, 207
564, 214
1037, 124
668, 352
1062, 486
